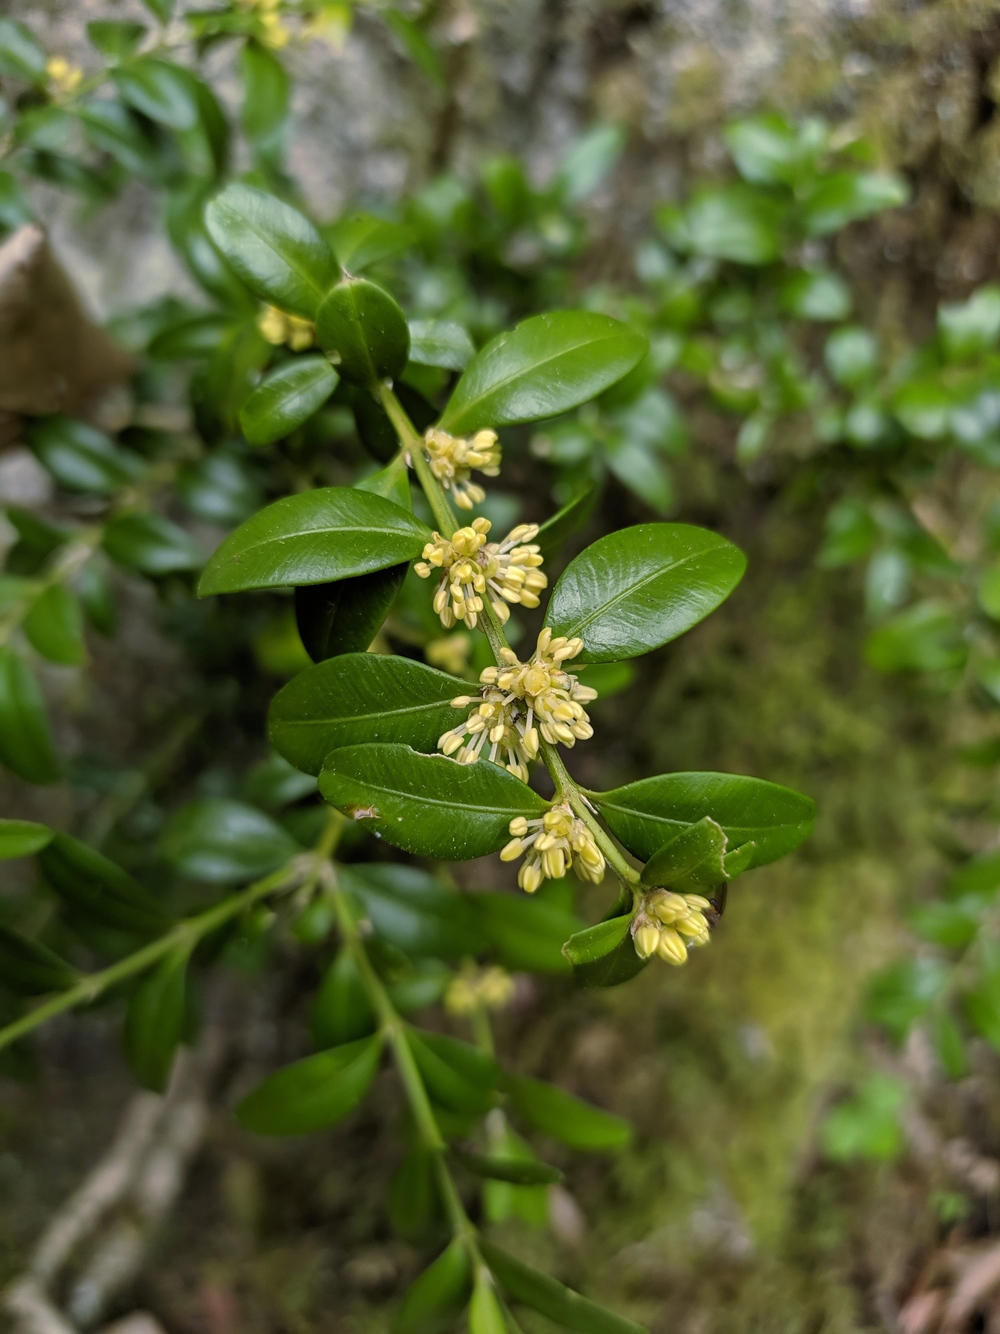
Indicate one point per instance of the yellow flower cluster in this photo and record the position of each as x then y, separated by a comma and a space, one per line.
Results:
519, 702
471, 567
452, 459
669, 925
551, 846
475, 988
280, 328
64, 77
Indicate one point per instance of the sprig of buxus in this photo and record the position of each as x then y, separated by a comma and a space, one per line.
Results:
370, 725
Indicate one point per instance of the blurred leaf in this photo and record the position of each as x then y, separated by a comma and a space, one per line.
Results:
899, 995
565, 1117
414, 911
26, 746
314, 1093
573, 516
924, 638
145, 541
154, 1022
287, 397
735, 222
28, 967
816, 295
80, 457
550, 1298
845, 197
98, 889
360, 240
458, 1076
22, 838
525, 933
971, 327
20, 55
116, 38
587, 162
224, 841
265, 101
439, 1295
417, 46
414, 1201
867, 1126
54, 626
440, 343
341, 1011
485, 1313
852, 356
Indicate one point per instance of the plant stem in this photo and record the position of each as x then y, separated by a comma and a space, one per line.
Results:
569, 790
409, 437
301, 870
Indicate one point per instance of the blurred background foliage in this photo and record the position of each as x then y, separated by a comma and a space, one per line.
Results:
798, 206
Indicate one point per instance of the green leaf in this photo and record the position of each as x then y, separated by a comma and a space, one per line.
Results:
846, 196
898, 996
605, 954
565, 1117
265, 101
345, 617
951, 923
691, 863
458, 1076
439, 1295
647, 813
21, 57
982, 1006
54, 626
547, 365
518, 1171
313, 1093
359, 697
98, 889
277, 251
360, 240
363, 324
116, 38
26, 746
641, 587
117, 130
15, 209
440, 343
550, 1298
735, 222
29, 968
485, 1312
392, 482
525, 933
224, 841
816, 295
414, 911
287, 397
145, 541
923, 407
341, 1011
413, 1202
160, 9
970, 327
80, 457
573, 516
640, 469
926, 637
21, 838
587, 162
314, 537
867, 1126
161, 90
154, 1022
417, 46
852, 356
218, 487
97, 600
427, 804
765, 148
598, 941
949, 1044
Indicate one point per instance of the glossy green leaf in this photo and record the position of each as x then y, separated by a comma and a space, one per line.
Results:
21, 57
485, 1312
427, 804
364, 325
550, 1298
645, 814
314, 1093
414, 911
359, 697
154, 1022
457, 1075
439, 1295
80, 457
691, 863
22, 838
277, 251
392, 482
640, 587
54, 626
573, 516
116, 38
224, 841
735, 222
163, 91
314, 537
218, 488
845, 197
29, 968
597, 941
360, 240
98, 889
525, 933
547, 365
565, 1117
151, 543
344, 617
440, 343
116, 129
341, 1011
287, 397
265, 101
606, 956
26, 746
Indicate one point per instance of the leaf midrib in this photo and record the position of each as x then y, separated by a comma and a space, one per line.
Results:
427, 801
602, 610
728, 825
302, 273
535, 365
360, 717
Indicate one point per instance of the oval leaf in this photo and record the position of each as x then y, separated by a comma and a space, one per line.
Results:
644, 815
361, 697
312, 1094
639, 588
54, 626
440, 343
154, 1022
21, 838
550, 1298
277, 251
427, 804
335, 532
286, 398
25, 739
344, 617
29, 968
98, 889
458, 1076
547, 365
439, 1295
414, 911
691, 863
226, 842
362, 323
565, 1117
152, 544
518, 1171
341, 1011
596, 941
